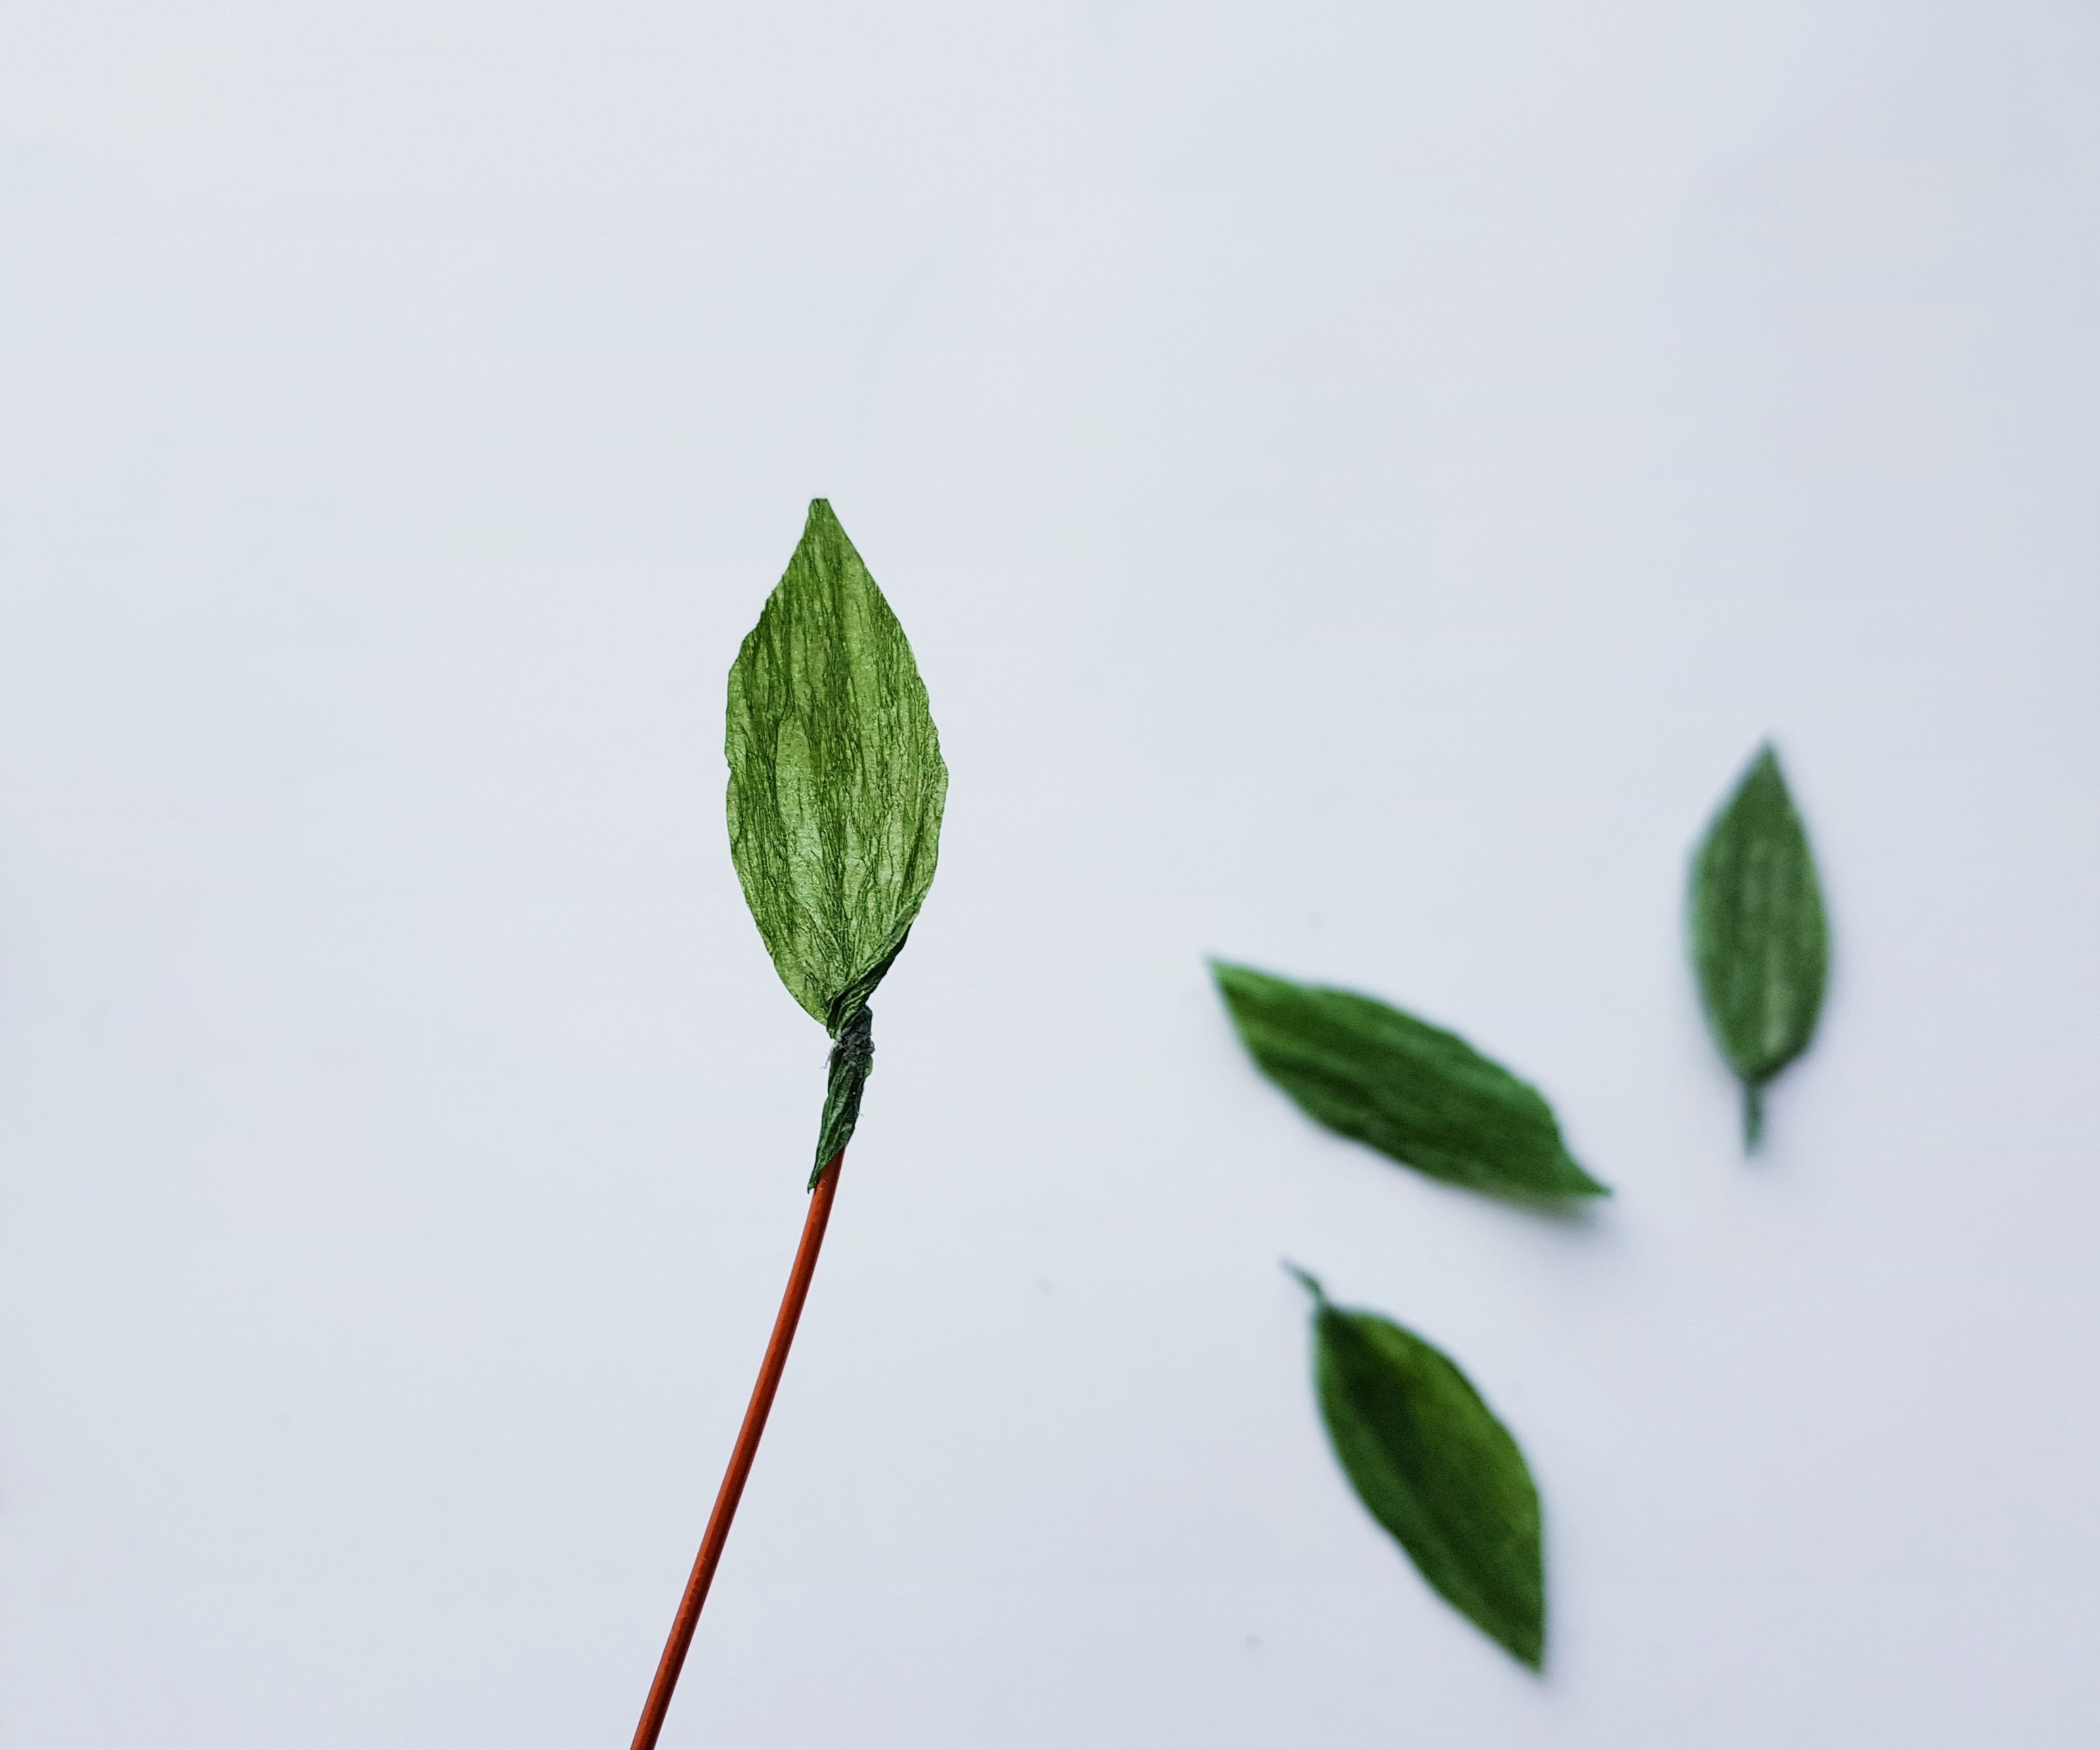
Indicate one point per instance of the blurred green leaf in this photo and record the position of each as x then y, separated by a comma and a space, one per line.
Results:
1410, 1091
1435, 1468
1760, 942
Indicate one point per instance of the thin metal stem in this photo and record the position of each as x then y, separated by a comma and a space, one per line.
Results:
739, 1463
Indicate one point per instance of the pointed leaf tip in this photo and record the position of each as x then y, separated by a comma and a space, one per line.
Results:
1417, 1094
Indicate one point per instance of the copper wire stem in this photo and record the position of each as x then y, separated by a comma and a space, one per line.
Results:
740, 1462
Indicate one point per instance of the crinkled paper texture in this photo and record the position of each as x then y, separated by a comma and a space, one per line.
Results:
835, 790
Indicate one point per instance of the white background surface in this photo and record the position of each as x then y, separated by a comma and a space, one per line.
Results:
1359, 482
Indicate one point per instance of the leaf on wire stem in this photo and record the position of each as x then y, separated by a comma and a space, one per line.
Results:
836, 789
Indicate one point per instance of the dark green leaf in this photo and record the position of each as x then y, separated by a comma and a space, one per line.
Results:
851, 1063
1436, 1469
1760, 942
835, 788
1411, 1090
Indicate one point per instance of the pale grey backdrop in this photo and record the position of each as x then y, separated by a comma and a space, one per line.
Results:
1359, 480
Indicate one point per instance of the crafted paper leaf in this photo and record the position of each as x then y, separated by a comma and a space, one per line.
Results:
1413, 1091
1436, 1469
836, 789
1760, 941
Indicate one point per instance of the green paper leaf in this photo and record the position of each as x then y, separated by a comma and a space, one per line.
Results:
836, 789
1760, 942
1436, 1469
1410, 1091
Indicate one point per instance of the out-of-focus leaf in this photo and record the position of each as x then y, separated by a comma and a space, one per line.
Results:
1436, 1469
1760, 941
1410, 1091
